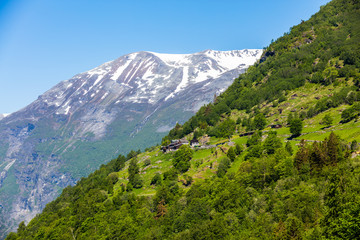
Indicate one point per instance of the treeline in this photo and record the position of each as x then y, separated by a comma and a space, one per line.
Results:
323, 50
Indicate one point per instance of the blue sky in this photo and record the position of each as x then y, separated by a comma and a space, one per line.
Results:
43, 42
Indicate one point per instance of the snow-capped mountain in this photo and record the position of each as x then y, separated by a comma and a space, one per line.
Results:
125, 104
3, 115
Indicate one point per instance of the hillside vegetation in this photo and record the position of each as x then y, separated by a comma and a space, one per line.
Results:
281, 163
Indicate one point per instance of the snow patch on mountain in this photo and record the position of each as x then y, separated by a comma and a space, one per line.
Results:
4, 115
174, 59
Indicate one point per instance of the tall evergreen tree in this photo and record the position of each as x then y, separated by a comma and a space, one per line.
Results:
134, 176
231, 154
259, 121
289, 148
272, 142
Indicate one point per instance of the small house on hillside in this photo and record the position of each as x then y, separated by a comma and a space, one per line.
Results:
194, 143
174, 145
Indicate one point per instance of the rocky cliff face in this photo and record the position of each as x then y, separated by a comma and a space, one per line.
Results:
128, 103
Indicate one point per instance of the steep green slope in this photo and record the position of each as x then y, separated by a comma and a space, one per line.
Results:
271, 184
323, 50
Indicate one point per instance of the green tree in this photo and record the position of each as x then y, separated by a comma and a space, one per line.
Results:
272, 142
156, 180
289, 148
259, 121
254, 139
333, 149
296, 126
182, 158
349, 114
238, 121
317, 157
188, 180
165, 141
231, 154
290, 118
134, 176
171, 175
238, 149
132, 154
302, 155
221, 107
327, 120
225, 128
224, 165
119, 163
330, 75
354, 146
197, 134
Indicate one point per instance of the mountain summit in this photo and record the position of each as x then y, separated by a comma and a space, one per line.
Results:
128, 103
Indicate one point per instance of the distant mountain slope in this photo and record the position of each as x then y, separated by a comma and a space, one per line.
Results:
2, 115
128, 103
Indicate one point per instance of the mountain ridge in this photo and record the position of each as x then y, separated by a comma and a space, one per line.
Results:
80, 123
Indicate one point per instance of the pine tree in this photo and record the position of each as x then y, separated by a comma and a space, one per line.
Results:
259, 121
161, 209
302, 155
317, 157
290, 118
272, 142
238, 149
134, 176
333, 148
119, 163
354, 145
289, 148
231, 154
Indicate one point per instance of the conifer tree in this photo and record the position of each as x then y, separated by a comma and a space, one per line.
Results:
354, 145
272, 142
289, 148
290, 118
238, 149
259, 121
119, 163
231, 154
302, 155
134, 176
333, 148
317, 157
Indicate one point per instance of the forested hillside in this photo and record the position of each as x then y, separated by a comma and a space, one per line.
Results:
323, 50
279, 156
